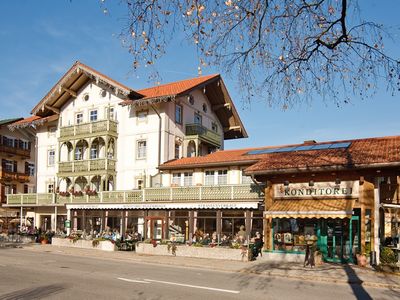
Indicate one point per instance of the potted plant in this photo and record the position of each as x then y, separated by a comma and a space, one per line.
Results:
361, 259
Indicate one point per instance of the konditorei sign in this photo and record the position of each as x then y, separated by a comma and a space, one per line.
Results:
346, 189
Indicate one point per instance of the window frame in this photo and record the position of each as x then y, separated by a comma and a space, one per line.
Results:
91, 115
178, 114
138, 151
51, 162
197, 116
79, 120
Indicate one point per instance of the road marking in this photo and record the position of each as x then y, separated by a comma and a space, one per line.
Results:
131, 280
194, 286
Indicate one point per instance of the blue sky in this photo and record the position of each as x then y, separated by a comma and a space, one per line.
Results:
40, 40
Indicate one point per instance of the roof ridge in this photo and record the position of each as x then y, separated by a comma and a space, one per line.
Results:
179, 81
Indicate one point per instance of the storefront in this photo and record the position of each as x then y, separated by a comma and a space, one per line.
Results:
187, 222
332, 217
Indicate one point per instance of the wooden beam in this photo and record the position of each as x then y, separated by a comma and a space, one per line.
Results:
232, 128
69, 91
53, 109
219, 106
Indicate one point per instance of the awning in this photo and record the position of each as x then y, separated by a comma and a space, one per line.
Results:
170, 205
327, 208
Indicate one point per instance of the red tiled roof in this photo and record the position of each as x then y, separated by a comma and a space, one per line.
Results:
361, 152
27, 120
175, 88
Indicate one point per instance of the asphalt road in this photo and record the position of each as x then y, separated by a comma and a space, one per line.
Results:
29, 275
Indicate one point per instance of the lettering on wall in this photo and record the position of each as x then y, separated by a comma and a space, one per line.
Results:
346, 189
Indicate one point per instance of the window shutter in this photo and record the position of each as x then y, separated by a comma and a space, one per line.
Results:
3, 194
26, 168
14, 188
15, 166
29, 145
3, 163
25, 189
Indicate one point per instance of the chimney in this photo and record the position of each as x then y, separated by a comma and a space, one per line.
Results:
310, 142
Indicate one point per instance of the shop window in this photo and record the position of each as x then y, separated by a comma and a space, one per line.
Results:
93, 115
178, 114
141, 149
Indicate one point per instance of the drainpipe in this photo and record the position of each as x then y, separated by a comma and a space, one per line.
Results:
159, 134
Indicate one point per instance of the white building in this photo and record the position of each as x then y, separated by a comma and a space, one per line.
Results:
96, 135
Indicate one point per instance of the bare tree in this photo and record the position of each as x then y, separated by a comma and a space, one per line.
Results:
286, 51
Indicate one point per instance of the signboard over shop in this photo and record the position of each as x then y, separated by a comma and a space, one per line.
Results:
346, 189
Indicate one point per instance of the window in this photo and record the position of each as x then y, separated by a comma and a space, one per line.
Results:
141, 149
9, 165
246, 179
204, 107
78, 153
103, 93
188, 179
140, 184
94, 152
141, 116
30, 169
176, 150
214, 126
93, 115
86, 97
111, 114
176, 179
8, 141
79, 118
51, 157
51, 130
216, 177
222, 177
209, 178
50, 188
178, 114
197, 119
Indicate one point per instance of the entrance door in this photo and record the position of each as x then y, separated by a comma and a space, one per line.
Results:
339, 239
155, 228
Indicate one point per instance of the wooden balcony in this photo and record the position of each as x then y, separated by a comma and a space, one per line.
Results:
203, 133
24, 153
96, 128
88, 165
14, 176
238, 192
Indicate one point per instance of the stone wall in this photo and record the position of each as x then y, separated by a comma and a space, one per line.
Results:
191, 251
103, 245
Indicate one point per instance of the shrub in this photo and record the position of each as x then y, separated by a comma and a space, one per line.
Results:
388, 256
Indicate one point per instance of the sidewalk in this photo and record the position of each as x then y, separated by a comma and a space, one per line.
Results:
332, 273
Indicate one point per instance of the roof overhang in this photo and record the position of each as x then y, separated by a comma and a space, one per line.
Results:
69, 84
323, 168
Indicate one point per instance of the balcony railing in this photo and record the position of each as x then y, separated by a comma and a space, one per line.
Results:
14, 176
238, 192
86, 165
88, 128
26, 153
203, 133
